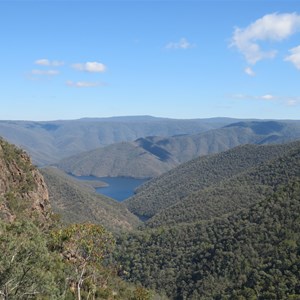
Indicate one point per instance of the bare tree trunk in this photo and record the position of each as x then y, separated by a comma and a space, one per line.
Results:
78, 291
79, 283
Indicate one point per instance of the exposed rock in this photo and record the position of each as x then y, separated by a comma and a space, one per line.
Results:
23, 190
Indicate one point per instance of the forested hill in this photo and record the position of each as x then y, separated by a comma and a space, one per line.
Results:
253, 254
237, 192
152, 156
77, 203
42, 258
236, 237
192, 177
49, 141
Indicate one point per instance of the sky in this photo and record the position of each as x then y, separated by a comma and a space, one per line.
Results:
177, 59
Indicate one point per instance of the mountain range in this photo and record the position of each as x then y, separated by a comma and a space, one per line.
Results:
152, 156
49, 141
220, 226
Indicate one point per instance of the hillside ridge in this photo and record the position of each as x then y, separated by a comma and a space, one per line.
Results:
153, 155
195, 175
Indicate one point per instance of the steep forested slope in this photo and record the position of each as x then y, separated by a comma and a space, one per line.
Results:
253, 254
40, 258
237, 192
76, 203
152, 156
197, 174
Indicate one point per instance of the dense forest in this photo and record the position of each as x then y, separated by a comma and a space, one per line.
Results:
75, 202
40, 257
236, 236
253, 254
236, 192
197, 174
224, 226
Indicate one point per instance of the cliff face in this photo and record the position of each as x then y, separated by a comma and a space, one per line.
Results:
23, 191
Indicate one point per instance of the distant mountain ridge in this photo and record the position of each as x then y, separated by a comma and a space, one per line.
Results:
49, 141
152, 156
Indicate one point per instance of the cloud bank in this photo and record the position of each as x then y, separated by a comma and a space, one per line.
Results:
271, 27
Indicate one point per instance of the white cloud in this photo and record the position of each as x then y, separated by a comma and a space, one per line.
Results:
45, 72
271, 27
47, 62
249, 71
92, 67
182, 44
267, 97
42, 62
84, 84
294, 58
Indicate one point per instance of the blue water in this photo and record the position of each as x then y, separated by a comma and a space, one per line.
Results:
119, 188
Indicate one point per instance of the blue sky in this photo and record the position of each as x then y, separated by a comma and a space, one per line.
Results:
177, 59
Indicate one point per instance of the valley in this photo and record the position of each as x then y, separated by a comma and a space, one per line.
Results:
216, 215
118, 188
150, 150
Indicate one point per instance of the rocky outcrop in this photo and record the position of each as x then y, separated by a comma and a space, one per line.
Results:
23, 191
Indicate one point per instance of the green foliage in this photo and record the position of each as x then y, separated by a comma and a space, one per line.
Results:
253, 254
16, 205
77, 203
40, 265
180, 187
84, 241
249, 251
26, 265
42, 260
236, 192
83, 246
141, 294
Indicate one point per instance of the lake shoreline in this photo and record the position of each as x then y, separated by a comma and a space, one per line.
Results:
117, 188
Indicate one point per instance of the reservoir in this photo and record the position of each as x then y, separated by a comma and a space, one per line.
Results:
119, 188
